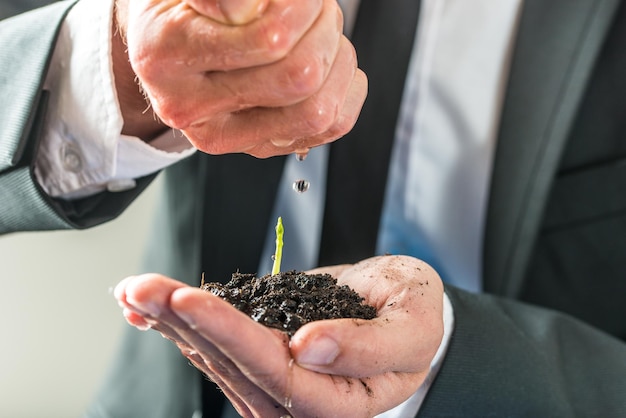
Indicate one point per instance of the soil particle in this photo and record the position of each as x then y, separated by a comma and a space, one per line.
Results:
288, 300
368, 390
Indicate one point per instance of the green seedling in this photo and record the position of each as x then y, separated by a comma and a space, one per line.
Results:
278, 254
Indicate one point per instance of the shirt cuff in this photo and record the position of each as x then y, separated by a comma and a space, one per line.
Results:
411, 406
82, 150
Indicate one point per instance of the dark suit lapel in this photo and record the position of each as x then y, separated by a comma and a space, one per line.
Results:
557, 44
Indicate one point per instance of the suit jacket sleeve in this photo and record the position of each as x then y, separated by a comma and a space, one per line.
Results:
510, 359
27, 44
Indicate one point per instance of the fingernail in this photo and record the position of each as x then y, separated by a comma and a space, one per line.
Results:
120, 288
320, 352
186, 318
149, 308
137, 320
144, 327
239, 12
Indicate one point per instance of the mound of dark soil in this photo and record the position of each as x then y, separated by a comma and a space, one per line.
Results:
289, 300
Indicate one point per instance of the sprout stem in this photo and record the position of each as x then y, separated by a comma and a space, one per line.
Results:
278, 255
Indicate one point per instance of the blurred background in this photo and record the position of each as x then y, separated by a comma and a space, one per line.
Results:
60, 322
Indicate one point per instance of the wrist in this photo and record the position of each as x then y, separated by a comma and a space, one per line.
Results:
139, 119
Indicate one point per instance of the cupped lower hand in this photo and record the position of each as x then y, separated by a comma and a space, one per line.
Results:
342, 367
262, 77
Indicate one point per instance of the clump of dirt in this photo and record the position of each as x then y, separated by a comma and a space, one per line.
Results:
288, 300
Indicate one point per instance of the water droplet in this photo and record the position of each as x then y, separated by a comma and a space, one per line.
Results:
288, 402
282, 143
301, 186
301, 154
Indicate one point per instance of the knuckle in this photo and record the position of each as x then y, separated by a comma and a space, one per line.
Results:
304, 77
341, 127
148, 57
171, 113
347, 55
276, 40
345, 121
318, 116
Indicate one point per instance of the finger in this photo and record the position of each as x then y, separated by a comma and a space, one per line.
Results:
210, 362
225, 319
183, 43
206, 358
133, 316
147, 293
300, 74
241, 391
365, 348
404, 336
342, 125
345, 120
149, 296
134, 293
322, 118
237, 12
262, 357
200, 363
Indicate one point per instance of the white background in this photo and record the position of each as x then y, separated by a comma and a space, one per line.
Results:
60, 322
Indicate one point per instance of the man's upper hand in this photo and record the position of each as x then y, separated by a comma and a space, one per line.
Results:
263, 77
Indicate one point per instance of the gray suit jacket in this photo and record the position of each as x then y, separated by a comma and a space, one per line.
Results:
554, 234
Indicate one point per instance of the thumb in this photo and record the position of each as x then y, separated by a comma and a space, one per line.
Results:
358, 348
233, 12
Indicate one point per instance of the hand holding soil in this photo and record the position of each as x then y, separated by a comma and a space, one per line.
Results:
362, 367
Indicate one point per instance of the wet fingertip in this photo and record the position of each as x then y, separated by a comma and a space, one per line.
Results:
147, 307
136, 320
178, 305
240, 12
120, 289
144, 327
186, 318
132, 289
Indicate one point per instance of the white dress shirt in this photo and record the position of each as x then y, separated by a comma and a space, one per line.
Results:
441, 161
443, 149
446, 136
83, 151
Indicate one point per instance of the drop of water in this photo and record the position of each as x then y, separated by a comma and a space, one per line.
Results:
288, 403
301, 153
301, 186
